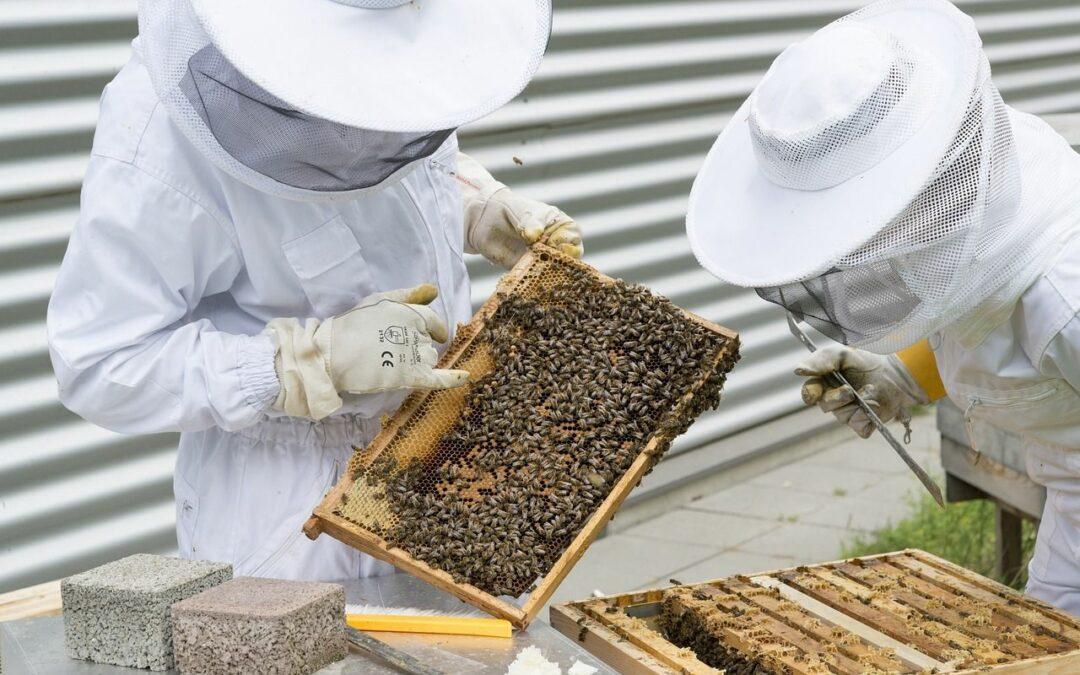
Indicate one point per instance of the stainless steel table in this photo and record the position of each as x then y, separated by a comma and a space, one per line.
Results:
37, 645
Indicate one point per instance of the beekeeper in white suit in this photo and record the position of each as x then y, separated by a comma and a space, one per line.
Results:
875, 185
266, 177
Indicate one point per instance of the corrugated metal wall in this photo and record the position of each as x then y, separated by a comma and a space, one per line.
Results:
612, 129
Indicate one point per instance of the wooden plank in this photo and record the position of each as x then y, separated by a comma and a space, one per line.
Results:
1058, 664
962, 634
856, 656
32, 601
905, 653
604, 644
634, 631
954, 608
1015, 605
1009, 537
994, 478
891, 621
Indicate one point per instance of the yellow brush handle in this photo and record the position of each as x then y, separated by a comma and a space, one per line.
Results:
440, 625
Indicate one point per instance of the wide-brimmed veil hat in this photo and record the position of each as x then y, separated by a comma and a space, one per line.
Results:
328, 99
389, 65
876, 185
843, 131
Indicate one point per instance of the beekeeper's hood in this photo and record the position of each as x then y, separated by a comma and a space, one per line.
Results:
875, 183
328, 98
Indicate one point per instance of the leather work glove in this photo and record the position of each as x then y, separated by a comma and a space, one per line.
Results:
501, 225
383, 343
882, 381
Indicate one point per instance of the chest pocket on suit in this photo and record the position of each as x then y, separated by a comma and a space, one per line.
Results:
330, 265
1025, 409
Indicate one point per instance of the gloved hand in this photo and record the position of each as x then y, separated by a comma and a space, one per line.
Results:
882, 381
383, 343
501, 225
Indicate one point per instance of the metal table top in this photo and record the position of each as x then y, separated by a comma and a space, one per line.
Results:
37, 645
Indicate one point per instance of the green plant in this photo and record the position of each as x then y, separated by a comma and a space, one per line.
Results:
962, 533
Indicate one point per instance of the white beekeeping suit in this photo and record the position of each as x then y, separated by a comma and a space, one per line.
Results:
270, 244
875, 185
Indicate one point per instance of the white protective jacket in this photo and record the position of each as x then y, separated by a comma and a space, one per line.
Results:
1024, 376
172, 272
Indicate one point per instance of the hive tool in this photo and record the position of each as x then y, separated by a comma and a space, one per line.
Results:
836, 375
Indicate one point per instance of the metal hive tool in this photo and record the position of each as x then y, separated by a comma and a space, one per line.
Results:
539, 481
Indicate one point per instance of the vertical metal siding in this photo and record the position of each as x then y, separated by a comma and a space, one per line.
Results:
613, 129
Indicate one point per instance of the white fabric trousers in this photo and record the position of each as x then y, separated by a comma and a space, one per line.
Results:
243, 497
1054, 570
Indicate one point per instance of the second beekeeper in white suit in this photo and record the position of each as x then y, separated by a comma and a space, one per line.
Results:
270, 245
875, 185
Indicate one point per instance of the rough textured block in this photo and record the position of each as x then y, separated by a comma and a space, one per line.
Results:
119, 613
251, 625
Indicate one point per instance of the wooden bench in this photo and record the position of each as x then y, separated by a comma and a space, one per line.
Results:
40, 600
996, 472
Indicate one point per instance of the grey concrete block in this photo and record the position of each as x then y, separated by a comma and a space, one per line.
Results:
119, 613
252, 625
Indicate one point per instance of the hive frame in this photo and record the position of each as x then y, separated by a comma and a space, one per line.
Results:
618, 642
323, 518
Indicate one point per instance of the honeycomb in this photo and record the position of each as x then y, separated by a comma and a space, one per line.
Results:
573, 375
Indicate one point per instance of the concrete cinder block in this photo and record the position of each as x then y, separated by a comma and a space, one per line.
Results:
119, 613
253, 625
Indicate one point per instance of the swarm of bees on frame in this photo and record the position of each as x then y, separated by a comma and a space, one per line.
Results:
585, 374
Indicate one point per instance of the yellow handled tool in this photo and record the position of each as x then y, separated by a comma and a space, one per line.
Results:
433, 624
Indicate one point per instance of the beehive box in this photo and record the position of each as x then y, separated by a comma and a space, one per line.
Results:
524, 498
904, 612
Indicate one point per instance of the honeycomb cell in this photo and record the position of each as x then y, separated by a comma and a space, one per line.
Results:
573, 375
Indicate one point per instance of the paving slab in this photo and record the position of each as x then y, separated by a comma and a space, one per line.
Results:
800, 543
727, 564
901, 488
858, 513
621, 562
769, 503
808, 477
719, 530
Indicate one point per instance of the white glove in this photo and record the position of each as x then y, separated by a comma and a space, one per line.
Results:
501, 225
383, 343
882, 381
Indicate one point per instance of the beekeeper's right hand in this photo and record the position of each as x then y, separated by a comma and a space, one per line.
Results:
383, 343
882, 381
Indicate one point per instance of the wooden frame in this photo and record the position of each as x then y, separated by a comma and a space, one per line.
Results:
325, 520
625, 643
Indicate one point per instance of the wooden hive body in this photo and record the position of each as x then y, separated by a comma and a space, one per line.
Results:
904, 612
414, 430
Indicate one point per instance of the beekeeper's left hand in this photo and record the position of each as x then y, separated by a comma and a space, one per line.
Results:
501, 225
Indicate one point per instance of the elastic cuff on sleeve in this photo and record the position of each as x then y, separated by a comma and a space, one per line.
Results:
255, 362
921, 364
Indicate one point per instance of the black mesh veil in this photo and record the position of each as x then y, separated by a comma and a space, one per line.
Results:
269, 136
849, 306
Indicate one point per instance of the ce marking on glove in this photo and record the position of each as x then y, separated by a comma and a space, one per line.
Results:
388, 359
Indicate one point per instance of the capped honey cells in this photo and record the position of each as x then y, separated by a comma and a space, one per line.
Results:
576, 376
